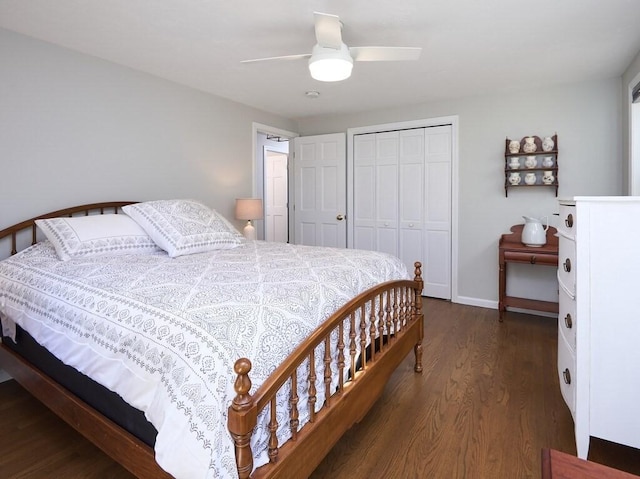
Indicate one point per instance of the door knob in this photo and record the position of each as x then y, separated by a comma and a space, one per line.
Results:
340, 217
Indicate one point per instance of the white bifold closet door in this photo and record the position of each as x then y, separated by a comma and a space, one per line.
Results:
402, 200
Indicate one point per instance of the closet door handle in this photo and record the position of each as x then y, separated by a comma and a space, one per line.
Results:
569, 220
340, 217
567, 265
568, 322
566, 375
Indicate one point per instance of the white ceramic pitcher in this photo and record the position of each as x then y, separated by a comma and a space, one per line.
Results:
534, 233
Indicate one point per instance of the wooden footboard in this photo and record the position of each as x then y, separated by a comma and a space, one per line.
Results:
384, 323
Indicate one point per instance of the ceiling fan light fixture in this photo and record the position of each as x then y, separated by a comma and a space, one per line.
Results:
329, 65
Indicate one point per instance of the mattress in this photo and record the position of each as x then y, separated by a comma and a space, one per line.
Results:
164, 333
106, 402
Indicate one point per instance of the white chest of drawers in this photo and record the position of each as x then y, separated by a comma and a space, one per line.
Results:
599, 317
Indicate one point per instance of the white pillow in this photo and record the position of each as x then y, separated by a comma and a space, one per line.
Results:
183, 226
96, 235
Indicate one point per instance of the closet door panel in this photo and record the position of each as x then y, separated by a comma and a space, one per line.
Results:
411, 246
365, 238
386, 147
364, 184
386, 189
365, 197
411, 194
411, 197
387, 239
438, 211
436, 275
437, 226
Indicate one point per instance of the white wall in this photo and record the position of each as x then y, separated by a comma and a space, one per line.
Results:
76, 129
587, 119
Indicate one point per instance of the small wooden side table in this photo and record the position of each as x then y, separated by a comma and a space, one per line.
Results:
559, 465
512, 250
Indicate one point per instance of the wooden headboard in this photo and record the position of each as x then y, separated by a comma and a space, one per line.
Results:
30, 224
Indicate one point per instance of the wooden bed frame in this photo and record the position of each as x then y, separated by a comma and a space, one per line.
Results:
395, 305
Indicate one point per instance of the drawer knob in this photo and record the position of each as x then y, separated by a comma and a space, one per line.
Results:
569, 220
532, 260
567, 265
566, 375
568, 322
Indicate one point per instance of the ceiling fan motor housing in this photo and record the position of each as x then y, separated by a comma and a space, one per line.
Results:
330, 64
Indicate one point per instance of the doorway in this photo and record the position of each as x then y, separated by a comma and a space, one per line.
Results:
270, 142
276, 196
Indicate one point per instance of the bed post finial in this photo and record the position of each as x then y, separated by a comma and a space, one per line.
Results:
417, 350
418, 290
242, 418
418, 279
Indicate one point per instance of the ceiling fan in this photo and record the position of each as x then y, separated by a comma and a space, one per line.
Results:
332, 60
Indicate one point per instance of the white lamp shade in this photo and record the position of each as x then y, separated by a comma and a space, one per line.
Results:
328, 64
249, 209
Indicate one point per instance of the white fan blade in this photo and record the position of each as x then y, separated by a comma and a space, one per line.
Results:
384, 54
284, 57
328, 30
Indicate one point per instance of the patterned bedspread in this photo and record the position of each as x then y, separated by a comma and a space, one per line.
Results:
164, 332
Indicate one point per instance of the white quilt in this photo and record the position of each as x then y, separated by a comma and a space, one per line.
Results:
164, 332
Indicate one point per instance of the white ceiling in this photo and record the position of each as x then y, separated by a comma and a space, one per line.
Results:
470, 47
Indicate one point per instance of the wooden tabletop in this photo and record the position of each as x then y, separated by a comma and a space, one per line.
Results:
513, 241
558, 465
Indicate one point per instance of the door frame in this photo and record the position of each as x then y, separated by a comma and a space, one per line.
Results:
633, 146
405, 125
257, 168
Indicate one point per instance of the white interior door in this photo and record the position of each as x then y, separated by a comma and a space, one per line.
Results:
321, 190
276, 215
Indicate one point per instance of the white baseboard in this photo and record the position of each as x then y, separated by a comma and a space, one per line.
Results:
485, 303
482, 303
535, 313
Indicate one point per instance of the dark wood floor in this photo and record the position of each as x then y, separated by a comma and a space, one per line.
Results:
487, 402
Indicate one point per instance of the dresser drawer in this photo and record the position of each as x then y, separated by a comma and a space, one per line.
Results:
567, 373
531, 258
567, 264
567, 317
567, 222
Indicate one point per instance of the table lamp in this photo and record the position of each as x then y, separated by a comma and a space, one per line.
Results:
249, 209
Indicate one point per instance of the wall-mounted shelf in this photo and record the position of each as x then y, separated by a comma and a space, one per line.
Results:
531, 162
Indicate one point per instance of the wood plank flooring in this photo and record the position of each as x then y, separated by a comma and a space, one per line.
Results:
485, 405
